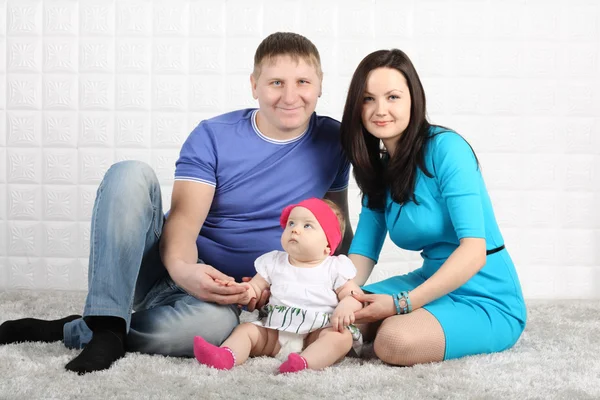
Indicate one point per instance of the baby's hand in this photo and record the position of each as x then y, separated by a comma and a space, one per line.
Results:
248, 295
343, 316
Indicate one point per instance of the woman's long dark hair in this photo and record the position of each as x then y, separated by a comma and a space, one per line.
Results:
374, 175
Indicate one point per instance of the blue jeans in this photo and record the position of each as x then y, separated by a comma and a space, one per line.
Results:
127, 279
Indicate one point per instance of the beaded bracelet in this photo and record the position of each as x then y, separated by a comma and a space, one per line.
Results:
405, 306
396, 303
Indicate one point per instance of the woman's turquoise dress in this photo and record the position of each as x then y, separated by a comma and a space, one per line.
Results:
487, 314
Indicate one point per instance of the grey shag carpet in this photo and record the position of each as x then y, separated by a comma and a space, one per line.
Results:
557, 357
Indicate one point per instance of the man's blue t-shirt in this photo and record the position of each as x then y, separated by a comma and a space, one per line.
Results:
255, 177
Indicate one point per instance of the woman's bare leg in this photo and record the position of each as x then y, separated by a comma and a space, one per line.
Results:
410, 339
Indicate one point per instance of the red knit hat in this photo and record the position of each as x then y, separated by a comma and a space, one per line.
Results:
324, 214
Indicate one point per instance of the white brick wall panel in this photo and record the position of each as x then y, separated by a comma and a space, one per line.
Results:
321, 24
24, 165
132, 129
60, 239
394, 19
60, 272
169, 130
59, 166
2, 168
85, 201
84, 242
24, 238
24, 92
207, 55
272, 12
96, 129
207, 19
244, 19
61, 18
60, 203
3, 208
169, 93
133, 154
170, 18
350, 53
3, 18
134, 18
133, 55
60, 54
204, 92
359, 10
96, 55
169, 57
92, 82
237, 91
26, 273
2, 54
93, 164
60, 92
166, 195
24, 202
97, 18
581, 22
24, 54
96, 92
133, 92
23, 128
60, 129
431, 19
163, 162
239, 55
24, 18
578, 248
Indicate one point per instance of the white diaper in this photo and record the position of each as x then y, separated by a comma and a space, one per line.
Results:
290, 343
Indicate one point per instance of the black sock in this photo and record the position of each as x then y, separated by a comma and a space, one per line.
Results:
33, 330
106, 347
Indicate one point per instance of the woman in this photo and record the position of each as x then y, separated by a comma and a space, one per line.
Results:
422, 184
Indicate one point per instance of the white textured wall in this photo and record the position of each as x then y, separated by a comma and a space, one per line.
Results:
84, 84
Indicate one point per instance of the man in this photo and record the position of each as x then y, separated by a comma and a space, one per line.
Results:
235, 174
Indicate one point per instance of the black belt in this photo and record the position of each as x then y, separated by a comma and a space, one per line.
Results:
492, 251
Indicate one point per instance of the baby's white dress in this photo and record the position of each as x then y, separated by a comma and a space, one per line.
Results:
302, 299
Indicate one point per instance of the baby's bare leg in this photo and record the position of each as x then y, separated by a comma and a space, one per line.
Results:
326, 347
249, 339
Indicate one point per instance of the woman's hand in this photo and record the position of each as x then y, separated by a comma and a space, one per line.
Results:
377, 307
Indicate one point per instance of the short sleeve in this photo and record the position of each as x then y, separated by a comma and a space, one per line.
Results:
198, 157
460, 182
341, 179
370, 233
343, 271
264, 264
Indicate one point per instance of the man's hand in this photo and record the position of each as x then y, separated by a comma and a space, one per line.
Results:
378, 307
257, 302
343, 315
199, 280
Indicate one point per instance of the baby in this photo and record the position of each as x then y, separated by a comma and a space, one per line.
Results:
303, 315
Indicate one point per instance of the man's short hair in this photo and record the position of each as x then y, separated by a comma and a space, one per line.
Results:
286, 43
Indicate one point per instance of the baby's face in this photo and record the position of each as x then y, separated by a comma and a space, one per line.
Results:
303, 238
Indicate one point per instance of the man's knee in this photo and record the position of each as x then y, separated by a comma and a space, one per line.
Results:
213, 322
170, 330
128, 173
